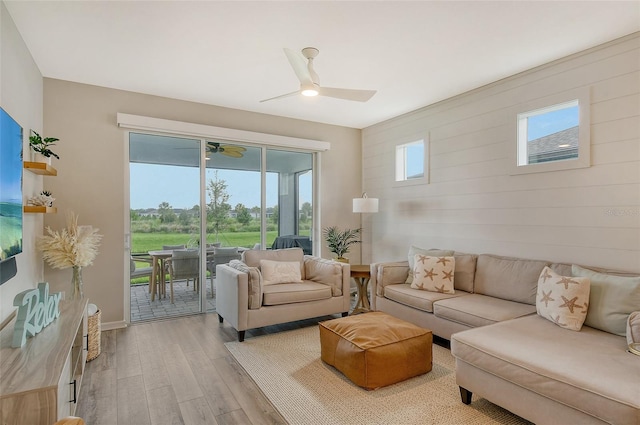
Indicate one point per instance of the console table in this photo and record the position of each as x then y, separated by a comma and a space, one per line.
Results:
41, 380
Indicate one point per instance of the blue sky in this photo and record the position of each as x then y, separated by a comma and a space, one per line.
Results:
552, 122
179, 186
10, 159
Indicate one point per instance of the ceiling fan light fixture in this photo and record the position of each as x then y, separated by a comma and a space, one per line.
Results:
309, 90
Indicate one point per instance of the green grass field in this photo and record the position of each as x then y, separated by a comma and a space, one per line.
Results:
144, 242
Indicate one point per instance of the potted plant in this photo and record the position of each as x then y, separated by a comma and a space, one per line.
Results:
339, 241
43, 146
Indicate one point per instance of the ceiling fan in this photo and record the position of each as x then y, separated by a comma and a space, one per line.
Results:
310, 82
228, 150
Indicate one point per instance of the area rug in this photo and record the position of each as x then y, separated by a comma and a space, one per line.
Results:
287, 368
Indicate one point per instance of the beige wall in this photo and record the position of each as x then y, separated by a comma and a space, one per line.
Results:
21, 97
589, 216
91, 179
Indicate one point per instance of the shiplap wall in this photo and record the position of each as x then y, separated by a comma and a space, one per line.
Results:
588, 216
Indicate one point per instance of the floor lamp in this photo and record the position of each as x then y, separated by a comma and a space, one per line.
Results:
364, 205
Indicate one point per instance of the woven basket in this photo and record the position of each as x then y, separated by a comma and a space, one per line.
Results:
94, 329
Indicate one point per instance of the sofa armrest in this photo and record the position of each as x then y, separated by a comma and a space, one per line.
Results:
232, 293
328, 272
390, 273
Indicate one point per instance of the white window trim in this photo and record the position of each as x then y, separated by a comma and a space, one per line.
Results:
139, 122
584, 133
424, 137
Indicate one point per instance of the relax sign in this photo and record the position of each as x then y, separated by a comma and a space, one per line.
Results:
36, 310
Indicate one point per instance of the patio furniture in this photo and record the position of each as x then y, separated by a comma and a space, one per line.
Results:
184, 264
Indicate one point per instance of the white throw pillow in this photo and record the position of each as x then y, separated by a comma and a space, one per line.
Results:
280, 272
414, 250
563, 300
434, 274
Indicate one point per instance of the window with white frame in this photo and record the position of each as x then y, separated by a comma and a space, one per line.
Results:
553, 136
410, 161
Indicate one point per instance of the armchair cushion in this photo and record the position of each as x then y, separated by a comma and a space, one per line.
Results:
324, 271
288, 293
255, 283
274, 272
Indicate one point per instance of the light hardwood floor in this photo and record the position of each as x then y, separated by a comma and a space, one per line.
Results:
175, 371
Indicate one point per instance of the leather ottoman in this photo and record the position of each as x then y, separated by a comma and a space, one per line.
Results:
375, 349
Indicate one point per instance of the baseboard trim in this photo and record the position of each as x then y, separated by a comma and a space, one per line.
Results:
109, 326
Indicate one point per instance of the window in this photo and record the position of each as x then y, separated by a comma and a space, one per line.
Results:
554, 137
410, 161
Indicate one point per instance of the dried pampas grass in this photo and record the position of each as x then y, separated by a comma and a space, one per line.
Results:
73, 246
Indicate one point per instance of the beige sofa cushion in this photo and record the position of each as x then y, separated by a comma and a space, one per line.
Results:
564, 366
564, 300
255, 282
252, 257
508, 278
287, 293
324, 271
465, 271
416, 298
413, 250
479, 310
611, 301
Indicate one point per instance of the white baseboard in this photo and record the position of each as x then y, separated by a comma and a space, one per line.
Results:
108, 326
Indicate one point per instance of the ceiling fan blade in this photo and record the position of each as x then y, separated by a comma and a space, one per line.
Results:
347, 94
232, 154
233, 148
281, 96
299, 65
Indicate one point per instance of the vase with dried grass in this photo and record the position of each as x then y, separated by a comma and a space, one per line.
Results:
73, 247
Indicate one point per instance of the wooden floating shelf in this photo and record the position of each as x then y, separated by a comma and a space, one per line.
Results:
40, 168
40, 209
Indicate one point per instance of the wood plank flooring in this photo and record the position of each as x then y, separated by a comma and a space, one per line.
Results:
175, 372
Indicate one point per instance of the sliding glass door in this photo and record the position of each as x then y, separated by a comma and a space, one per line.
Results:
214, 198
166, 276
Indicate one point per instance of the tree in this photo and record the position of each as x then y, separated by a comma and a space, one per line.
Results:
305, 212
184, 218
274, 214
166, 213
217, 208
134, 215
243, 215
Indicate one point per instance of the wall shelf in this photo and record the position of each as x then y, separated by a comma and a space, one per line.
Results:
39, 209
40, 168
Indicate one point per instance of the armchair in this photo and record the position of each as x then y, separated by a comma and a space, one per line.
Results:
249, 294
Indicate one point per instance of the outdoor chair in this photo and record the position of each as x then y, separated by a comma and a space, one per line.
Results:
184, 264
135, 271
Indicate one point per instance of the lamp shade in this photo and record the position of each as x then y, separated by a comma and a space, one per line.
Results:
365, 204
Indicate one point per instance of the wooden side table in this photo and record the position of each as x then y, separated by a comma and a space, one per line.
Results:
361, 273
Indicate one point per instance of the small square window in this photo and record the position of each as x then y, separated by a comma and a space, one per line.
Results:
549, 134
553, 134
410, 161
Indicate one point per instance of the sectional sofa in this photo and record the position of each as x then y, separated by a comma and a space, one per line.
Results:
515, 358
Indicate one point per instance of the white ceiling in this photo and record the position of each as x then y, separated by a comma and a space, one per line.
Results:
230, 53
